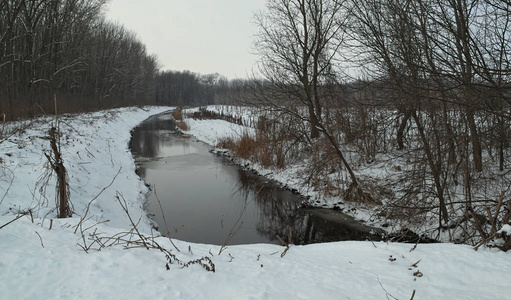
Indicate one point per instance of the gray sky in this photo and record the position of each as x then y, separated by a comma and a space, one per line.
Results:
203, 36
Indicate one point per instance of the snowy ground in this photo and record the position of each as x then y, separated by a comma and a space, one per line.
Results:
37, 262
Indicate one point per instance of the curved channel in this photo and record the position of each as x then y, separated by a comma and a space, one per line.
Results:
204, 196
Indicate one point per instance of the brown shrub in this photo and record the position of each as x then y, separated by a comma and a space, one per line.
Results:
182, 125
176, 113
226, 143
265, 155
256, 149
246, 146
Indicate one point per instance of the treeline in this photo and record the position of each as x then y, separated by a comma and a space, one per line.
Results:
66, 50
181, 88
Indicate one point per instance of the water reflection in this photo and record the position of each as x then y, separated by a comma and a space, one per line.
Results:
155, 139
281, 210
202, 195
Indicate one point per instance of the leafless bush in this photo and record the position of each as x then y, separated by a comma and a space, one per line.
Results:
226, 143
274, 144
488, 227
258, 149
57, 165
205, 114
11, 129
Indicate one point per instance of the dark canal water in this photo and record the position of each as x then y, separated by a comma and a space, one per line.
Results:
203, 195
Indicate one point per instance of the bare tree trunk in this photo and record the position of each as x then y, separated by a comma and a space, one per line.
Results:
401, 129
475, 140
313, 122
434, 167
57, 164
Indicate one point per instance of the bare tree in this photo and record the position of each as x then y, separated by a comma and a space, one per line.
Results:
300, 46
297, 43
446, 65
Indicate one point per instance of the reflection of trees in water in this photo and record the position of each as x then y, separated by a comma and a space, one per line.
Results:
281, 209
146, 139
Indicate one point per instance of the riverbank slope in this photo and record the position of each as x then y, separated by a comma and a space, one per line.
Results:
44, 257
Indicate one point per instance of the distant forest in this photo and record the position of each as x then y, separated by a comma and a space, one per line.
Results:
68, 51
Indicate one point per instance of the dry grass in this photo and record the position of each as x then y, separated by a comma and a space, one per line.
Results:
182, 125
226, 143
178, 116
246, 146
259, 149
176, 113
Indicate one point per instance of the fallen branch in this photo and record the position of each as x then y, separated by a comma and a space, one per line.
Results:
284, 243
15, 219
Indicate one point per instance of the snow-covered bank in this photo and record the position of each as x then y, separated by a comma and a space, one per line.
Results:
36, 262
291, 177
94, 148
394, 196
343, 270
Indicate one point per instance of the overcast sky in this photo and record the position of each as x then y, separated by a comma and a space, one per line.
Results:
203, 36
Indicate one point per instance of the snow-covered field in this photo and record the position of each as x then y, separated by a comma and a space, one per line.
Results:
37, 262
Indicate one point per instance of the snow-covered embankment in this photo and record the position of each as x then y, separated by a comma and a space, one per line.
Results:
37, 262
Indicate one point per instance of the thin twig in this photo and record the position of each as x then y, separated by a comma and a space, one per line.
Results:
164, 220
386, 293
10, 184
96, 197
284, 243
125, 208
40, 238
278, 237
416, 264
110, 152
235, 228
